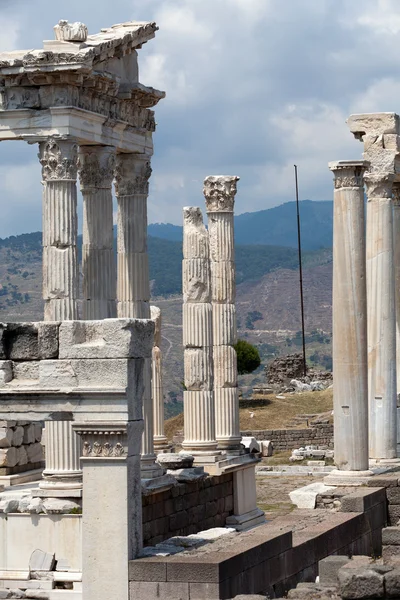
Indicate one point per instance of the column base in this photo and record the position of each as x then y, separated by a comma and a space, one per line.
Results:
206, 458
149, 468
347, 478
247, 520
231, 446
61, 484
161, 444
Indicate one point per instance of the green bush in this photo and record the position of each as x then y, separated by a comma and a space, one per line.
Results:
248, 357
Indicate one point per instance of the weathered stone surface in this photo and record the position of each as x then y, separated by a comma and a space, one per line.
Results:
285, 368
360, 584
328, 569
391, 536
29, 434
175, 460
392, 583
6, 437
18, 436
41, 561
198, 369
251, 444
21, 341
34, 452
8, 457
38, 431
306, 496
25, 370
48, 339
60, 506
22, 456
189, 474
267, 447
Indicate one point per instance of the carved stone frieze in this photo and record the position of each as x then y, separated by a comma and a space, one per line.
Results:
103, 440
379, 185
219, 192
96, 167
132, 174
348, 173
59, 159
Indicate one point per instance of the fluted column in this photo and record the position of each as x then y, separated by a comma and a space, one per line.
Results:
396, 242
63, 450
132, 176
349, 341
159, 437
198, 397
381, 316
219, 193
96, 172
60, 262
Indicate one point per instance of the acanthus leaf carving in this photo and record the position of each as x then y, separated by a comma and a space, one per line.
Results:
96, 167
59, 159
219, 192
131, 176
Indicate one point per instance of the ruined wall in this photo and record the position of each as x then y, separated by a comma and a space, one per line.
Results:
187, 508
20, 447
290, 439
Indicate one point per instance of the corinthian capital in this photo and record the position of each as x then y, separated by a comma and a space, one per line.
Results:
219, 192
96, 167
348, 173
379, 185
132, 174
59, 159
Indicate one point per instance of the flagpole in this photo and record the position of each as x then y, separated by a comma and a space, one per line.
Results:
301, 273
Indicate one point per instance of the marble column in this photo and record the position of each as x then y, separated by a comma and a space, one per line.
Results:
396, 242
159, 437
349, 341
60, 228
132, 176
198, 397
219, 193
59, 160
96, 172
381, 317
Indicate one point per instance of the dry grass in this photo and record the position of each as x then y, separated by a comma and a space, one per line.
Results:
277, 414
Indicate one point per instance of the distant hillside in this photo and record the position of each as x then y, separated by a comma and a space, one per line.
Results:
274, 226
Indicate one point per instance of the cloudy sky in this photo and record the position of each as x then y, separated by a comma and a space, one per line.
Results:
253, 86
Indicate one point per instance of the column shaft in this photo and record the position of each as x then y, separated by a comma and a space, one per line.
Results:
349, 349
381, 317
219, 192
133, 287
396, 241
159, 438
60, 264
96, 171
198, 397
63, 450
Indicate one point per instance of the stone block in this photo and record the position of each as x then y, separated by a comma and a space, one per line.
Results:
34, 452
393, 495
250, 444
328, 569
170, 460
390, 553
198, 369
188, 475
6, 372
225, 367
196, 280
38, 431
48, 335
8, 457
393, 514
26, 370
29, 434
21, 341
165, 590
41, 561
22, 456
223, 288
197, 325
18, 436
306, 496
373, 123
392, 583
6, 437
391, 536
267, 448
109, 338
148, 569
360, 583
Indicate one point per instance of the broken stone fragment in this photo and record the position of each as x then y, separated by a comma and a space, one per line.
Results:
41, 561
71, 32
173, 460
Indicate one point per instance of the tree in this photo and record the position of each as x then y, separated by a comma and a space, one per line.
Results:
248, 357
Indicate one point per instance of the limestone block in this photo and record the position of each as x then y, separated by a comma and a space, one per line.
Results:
6, 372
22, 456
172, 460
197, 325
195, 238
305, 497
26, 370
377, 123
196, 280
109, 338
360, 583
48, 339
198, 369
267, 448
21, 340
34, 452
8, 457
29, 434
328, 569
224, 324
6, 437
18, 436
41, 561
38, 431
223, 287
225, 367
392, 582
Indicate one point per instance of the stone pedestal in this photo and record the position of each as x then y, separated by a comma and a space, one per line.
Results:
246, 514
219, 192
96, 172
159, 437
198, 397
381, 317
111, 477
349, 349
132, 175
60, 261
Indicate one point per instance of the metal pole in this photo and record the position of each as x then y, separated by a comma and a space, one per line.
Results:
300, 272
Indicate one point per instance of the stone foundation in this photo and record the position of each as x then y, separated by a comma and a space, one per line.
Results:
290, 439
187, 508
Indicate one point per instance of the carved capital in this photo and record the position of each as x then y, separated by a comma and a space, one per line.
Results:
132, 174
96, 167
59, 160
103, 440
219, 192
348, 173
379, 185
71, 32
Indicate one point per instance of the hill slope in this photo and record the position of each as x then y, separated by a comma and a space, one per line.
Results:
274, 226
